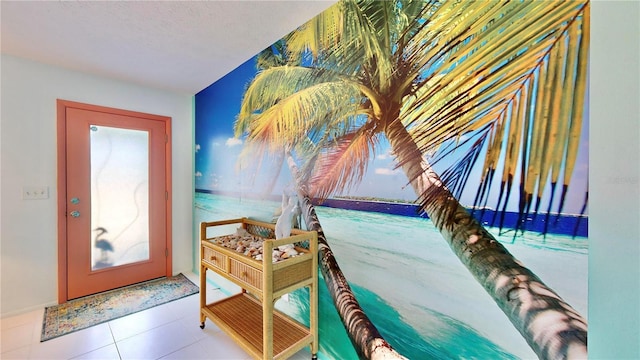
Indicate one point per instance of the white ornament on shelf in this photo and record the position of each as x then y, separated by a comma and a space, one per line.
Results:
284, 222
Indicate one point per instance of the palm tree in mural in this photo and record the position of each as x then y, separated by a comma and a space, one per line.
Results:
362, 332
505, 80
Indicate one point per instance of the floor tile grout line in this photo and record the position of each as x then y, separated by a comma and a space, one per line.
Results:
154, 327
115, 343
180, 349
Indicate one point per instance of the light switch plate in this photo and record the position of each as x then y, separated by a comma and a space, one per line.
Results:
35, 192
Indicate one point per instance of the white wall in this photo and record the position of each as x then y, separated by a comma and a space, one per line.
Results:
28, 236
614, 181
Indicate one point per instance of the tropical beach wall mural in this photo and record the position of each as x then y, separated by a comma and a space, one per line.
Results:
439, 148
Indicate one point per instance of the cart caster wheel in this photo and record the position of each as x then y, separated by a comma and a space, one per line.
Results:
202, 325
314, 357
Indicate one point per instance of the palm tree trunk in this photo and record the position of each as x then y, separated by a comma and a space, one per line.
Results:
553, 329
364, 336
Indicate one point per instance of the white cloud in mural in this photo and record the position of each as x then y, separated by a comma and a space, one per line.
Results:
197, 147
385, 171
198, 174
233, 142
382, 156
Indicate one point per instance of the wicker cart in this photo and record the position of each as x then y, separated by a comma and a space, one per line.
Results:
249, 317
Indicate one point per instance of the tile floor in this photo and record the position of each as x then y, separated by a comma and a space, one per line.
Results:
169, 331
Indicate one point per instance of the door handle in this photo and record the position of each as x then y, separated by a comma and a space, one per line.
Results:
75, 213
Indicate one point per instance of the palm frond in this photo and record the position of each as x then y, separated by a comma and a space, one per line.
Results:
322, 32
487, 81
338, 41
342, 165
456, 176
269, 87
295, 114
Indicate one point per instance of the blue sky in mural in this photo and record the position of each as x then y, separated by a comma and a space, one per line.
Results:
216, 110
217, 152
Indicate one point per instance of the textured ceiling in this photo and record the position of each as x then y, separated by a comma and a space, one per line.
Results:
181, 46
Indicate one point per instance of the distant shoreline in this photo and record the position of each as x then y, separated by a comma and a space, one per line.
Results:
564, 224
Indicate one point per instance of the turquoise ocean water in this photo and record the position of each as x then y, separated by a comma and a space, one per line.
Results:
416, 292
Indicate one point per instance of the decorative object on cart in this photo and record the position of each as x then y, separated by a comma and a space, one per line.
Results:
249, 317
285, 220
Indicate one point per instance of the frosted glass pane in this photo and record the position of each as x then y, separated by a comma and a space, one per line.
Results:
119, 196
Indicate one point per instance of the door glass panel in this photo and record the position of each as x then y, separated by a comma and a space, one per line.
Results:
119, 196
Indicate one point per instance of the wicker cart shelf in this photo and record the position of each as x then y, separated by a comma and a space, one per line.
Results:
249, 317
